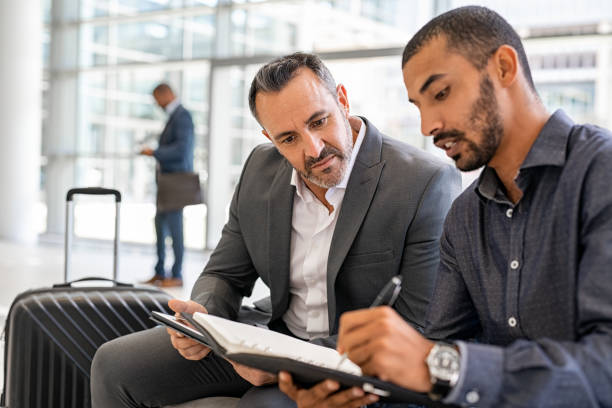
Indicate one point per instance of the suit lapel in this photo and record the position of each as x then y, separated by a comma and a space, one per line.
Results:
357, 198
280, 211
162, 136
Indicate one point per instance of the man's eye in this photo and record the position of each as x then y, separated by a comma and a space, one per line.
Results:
440, 96
288, 139
318, 123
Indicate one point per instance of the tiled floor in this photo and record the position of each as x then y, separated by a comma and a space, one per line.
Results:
24, 267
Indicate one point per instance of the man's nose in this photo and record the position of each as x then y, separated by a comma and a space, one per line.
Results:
314, 145
430, 123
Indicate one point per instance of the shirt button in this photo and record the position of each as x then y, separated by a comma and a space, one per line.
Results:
509, 212
514, 264
512, 321
472, 397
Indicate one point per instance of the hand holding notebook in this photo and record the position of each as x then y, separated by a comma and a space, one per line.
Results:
272, 352
233, 340
185, 345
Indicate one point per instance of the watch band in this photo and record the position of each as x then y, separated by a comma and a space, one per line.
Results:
443, 377
439, 390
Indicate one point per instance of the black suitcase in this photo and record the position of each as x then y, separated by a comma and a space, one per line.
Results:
52, 334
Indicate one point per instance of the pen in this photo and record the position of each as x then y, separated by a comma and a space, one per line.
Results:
389, 293
387, 296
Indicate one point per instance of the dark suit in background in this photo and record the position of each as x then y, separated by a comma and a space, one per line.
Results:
390, 223
174, 154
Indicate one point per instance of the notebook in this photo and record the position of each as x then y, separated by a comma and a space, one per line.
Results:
237, 338
272, 352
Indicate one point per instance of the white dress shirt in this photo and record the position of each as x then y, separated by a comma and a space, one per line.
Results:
171, 107
312, 228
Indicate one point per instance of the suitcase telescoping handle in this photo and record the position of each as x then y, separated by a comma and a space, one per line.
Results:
93, 278
93, 191
69, 221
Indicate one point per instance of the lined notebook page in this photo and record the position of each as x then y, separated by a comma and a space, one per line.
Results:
242, 338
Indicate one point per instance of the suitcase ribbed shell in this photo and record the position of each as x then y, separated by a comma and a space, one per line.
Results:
53, 334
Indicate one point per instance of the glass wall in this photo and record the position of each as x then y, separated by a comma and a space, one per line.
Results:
107, 56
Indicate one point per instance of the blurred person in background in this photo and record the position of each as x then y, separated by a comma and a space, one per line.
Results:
174, 154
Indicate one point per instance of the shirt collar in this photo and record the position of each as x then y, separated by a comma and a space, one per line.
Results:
488, 186
171, 107
549, 149
299, 184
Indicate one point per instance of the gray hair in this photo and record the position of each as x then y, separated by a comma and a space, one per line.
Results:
275, 75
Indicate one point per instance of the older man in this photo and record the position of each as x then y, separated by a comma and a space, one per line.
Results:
325, 215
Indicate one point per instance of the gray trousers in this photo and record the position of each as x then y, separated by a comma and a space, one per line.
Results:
144, 370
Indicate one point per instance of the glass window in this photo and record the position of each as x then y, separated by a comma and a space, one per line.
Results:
382, 98
210, 3
264, 29
95, 8
385, 11
195, 98
200, 32
576, 98
118, 117
101, 8
148, 41
126, 47
361, 25
143, 6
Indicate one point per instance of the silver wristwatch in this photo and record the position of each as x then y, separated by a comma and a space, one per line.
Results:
443, 362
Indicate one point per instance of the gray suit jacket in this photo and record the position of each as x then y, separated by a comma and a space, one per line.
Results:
390, 223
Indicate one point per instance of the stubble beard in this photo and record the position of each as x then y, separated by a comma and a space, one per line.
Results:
330, 176
484, 120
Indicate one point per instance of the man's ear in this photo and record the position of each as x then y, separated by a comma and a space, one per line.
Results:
263, 132
506, 65
343, 99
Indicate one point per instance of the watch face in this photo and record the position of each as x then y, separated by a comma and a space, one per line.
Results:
444, 364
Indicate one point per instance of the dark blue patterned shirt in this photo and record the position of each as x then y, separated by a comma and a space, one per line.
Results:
530, 285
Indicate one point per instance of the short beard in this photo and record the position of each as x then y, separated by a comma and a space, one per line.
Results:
335, 175
484, 119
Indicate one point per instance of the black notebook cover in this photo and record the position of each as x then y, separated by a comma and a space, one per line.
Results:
303, 373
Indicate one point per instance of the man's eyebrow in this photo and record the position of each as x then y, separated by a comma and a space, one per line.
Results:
314, 115
429, 81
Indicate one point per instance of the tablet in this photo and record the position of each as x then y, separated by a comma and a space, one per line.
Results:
181, 325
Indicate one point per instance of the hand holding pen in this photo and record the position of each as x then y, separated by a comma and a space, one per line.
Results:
328, 390
387, 346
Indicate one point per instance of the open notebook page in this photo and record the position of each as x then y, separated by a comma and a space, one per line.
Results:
242, 338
